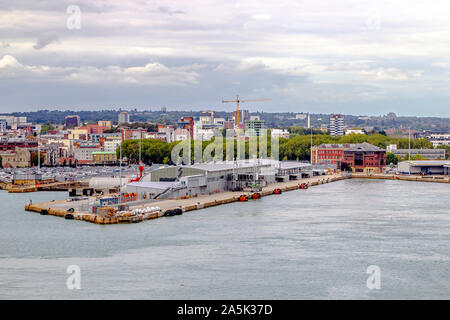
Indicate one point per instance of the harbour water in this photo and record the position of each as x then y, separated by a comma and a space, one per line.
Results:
303, 244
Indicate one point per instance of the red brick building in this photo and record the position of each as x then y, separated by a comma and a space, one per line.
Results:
360, 157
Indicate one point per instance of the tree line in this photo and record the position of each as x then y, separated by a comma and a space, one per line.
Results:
296, 148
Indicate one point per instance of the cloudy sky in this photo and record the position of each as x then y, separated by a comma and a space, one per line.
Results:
347, 56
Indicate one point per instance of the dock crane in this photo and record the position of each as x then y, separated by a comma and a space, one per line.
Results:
238, 101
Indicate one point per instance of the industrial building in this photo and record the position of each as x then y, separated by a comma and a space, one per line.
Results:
208, 178
424, 167
426, 154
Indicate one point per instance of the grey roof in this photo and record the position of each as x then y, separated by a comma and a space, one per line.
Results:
363, 147
154, 184
438, 151
293, 164
228, 165
221, 166
429, 162
351, 146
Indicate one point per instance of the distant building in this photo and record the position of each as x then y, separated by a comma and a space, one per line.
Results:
354, 131
93, 128
78, 134
111, 144
219, 121
72, 121
424, 167
280, 133
19, 158
300, 116
15, 122
104, 157
336, 125
106, 124
204, 131
181, 134
31, 179
436, 138
12, 144
254, 127
206, 117
360, 157
186, 123
228, 125
427, 154
167, 132
133, 134
156, 136
3, 125
83, 154
124, 117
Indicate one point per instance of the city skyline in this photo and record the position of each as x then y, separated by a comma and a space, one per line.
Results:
351, 58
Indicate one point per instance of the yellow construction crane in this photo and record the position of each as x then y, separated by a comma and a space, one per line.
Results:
237, 101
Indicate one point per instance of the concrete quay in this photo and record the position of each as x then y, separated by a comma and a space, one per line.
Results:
80, 208
417, 178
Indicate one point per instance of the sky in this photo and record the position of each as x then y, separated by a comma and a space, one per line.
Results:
321, 56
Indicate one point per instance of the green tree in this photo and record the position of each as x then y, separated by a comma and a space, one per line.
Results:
34, 159
46, 128
391, 158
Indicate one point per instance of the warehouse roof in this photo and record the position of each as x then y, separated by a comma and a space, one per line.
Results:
351, 146
155, 184
429, 163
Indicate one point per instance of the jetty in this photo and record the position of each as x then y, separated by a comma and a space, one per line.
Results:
79, 210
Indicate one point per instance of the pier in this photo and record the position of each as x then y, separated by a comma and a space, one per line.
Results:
79, 210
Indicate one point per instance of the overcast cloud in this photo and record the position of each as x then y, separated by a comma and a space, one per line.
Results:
359, 57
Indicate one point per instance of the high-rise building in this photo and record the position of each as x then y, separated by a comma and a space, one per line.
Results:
3, 125
336, 125
124, 117
72, 121
254, 127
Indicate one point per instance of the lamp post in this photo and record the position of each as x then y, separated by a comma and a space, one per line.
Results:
409, 150
39, 155
120, 169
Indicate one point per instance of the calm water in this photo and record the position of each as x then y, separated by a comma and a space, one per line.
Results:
305, 244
